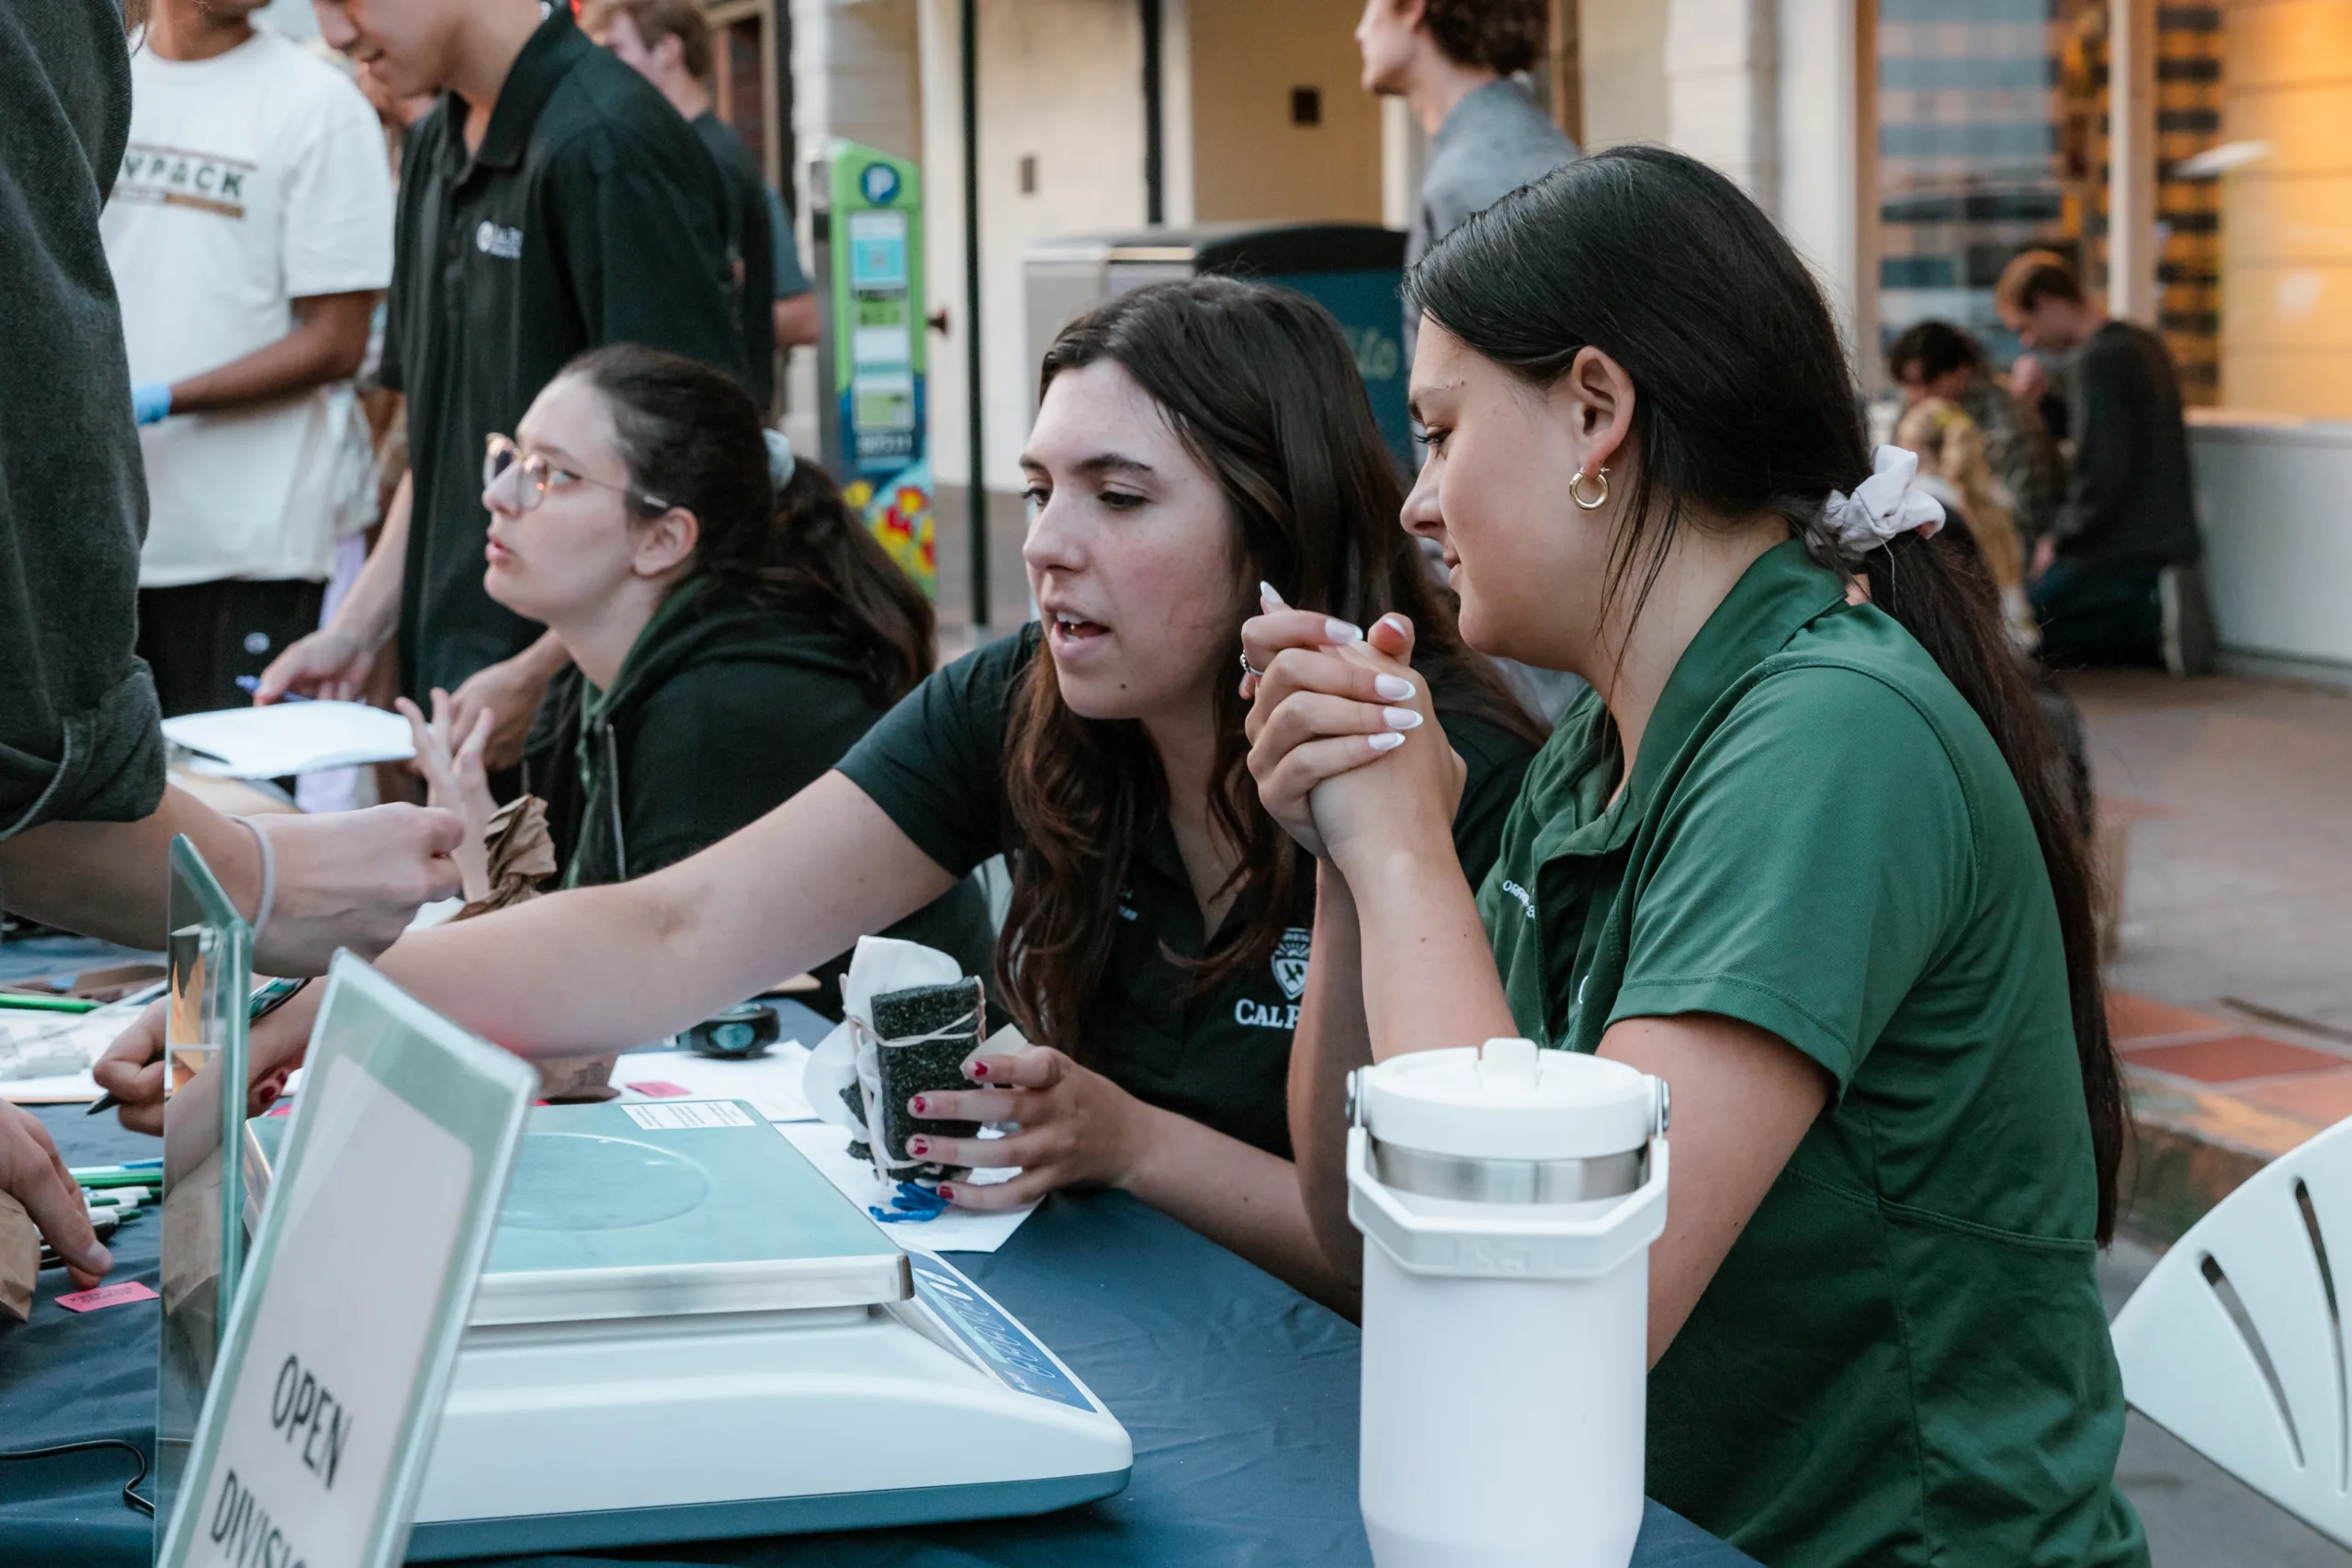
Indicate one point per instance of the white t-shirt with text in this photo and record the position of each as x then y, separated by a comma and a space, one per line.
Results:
250, 180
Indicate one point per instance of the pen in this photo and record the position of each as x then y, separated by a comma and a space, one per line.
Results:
265, 999
250, 683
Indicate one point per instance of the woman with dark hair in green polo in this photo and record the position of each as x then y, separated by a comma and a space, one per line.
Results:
1801, 853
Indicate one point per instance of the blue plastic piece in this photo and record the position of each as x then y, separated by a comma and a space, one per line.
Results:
913, 1205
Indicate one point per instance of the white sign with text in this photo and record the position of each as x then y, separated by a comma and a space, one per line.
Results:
338, 1354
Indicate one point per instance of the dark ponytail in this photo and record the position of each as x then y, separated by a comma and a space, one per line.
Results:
692, 437
1746, 408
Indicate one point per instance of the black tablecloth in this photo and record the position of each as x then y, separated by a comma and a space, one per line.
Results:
1239, 1393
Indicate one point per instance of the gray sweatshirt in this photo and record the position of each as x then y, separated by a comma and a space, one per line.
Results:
1493, 141
78, 736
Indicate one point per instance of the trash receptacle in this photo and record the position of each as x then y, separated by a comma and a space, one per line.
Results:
1352, 270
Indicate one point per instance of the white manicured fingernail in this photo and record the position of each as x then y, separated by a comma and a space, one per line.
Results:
1268, 599
1401, 718
1387, 741
1393, 688
1397, 623
1339, 631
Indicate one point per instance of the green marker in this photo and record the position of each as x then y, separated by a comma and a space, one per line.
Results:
32, 1003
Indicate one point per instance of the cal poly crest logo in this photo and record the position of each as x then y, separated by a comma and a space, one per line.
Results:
1290, 960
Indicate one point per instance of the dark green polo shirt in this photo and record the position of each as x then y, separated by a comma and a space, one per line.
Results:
753, 247
1904, 1359
936, 764
591, 214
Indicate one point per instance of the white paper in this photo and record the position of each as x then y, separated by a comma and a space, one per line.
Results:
289, 737
45, 1057
681, 1116
876, 964
769, 1084
957, 1230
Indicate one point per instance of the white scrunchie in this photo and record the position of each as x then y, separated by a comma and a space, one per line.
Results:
782, 464
1884, 505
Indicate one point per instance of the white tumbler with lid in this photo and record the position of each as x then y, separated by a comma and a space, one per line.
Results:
1508, 1198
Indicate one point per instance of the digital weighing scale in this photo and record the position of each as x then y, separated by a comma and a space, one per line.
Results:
685, 1332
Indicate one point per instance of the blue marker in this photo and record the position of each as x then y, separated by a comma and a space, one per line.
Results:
251, 683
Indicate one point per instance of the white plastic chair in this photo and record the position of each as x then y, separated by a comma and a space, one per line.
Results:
2236, 1341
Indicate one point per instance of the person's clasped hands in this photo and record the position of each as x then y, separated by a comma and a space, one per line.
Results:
1327, 701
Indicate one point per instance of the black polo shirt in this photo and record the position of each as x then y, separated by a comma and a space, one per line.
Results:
935, 765
591, 214
753, 245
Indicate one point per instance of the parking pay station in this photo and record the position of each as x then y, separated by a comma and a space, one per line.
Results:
871, 403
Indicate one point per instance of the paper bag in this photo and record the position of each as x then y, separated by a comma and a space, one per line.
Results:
20, 1260
522, 855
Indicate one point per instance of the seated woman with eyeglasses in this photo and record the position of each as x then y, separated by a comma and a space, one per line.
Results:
733, 629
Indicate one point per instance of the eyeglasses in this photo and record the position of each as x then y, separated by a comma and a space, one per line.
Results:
501, 455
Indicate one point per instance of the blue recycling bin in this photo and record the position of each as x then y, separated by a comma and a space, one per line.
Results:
1353, 270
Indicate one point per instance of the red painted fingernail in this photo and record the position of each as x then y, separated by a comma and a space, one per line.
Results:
917, 1105
980, 1069
918, 1147
947, 1192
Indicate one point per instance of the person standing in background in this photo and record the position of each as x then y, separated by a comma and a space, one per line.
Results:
551, 203
87, 816
2115, 580
250, 233
1452, 61
669, 44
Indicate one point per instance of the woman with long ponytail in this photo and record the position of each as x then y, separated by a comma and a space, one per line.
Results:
1803, 851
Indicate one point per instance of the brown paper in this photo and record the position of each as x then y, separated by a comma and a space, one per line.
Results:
522, 855
19, 1259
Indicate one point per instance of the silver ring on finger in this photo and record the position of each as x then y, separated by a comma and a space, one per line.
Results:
1250, 669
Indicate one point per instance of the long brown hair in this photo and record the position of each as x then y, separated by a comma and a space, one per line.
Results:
1258, 384
1747, 406
693, 438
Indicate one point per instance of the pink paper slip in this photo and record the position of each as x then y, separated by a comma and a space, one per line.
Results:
105, 1296
655, 1089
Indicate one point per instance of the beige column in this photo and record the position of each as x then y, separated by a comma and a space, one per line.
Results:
2132, 243
1826, 120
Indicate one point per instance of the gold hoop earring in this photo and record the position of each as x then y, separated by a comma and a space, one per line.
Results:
1598, 501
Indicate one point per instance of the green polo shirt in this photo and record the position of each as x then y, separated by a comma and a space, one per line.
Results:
935, 765
1904, 1359
591, 214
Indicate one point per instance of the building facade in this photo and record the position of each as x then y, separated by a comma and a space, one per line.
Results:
2194, 159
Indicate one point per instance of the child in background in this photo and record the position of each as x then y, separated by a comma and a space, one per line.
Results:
1954, 467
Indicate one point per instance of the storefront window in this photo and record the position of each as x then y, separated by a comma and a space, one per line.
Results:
1991, 141
2282, 186
1993, 137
